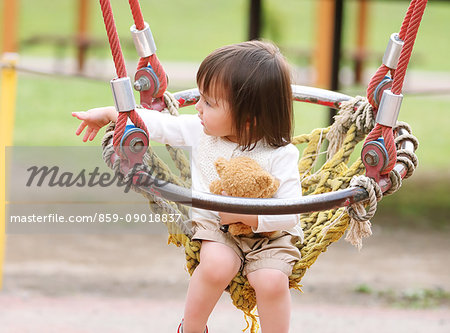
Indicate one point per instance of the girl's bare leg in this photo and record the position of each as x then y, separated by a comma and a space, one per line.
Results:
273, 299
219, 264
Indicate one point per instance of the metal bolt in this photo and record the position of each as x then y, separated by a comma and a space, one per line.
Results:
371, 158
142, 84
136, 145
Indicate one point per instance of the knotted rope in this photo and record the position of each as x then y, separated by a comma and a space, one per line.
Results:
360, 225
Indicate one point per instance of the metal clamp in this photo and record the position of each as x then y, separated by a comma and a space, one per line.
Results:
375, 158
133, 145
146, 79
393, 51
389, 109
148, 85
123, 94
143, 40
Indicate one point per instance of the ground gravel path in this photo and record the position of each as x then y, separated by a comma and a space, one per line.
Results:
136, 283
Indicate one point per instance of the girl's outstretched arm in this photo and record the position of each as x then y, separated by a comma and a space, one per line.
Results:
94, 120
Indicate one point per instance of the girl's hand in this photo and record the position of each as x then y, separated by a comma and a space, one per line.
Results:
230, 218
94, 120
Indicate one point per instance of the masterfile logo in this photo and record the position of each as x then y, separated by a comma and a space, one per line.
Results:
67, 190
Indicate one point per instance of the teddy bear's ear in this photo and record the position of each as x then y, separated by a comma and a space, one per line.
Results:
220, 165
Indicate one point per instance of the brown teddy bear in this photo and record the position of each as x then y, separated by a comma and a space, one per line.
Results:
243, 177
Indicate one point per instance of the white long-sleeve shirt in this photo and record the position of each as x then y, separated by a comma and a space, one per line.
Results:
187, 130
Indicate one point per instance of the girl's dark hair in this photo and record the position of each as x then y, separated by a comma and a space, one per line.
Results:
254, 78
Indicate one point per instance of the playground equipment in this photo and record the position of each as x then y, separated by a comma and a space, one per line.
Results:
330, 205
335, 197
387, 154
7, 105
8, 81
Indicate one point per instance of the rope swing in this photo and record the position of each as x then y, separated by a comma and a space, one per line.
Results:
337, 196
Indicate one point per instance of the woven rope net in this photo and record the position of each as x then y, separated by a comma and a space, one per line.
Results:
351, 126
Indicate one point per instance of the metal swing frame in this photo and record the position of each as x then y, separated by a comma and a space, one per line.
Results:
271, 206
385, 120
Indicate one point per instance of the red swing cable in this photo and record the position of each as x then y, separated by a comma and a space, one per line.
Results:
121, 71
408, 33
383, 69
409, 36
153, 59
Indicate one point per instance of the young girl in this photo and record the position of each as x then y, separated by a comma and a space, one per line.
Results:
245, 109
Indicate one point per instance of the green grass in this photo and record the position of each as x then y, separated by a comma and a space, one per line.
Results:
428, 117
423, 202
44, 105
410, 298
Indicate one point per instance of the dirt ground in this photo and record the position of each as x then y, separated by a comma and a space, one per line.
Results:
135, 283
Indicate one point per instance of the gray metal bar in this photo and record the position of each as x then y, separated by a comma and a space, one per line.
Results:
270, 206
299, 93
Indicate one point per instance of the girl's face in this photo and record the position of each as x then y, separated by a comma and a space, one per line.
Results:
216, 117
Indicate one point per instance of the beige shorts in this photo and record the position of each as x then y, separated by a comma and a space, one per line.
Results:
277, 252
